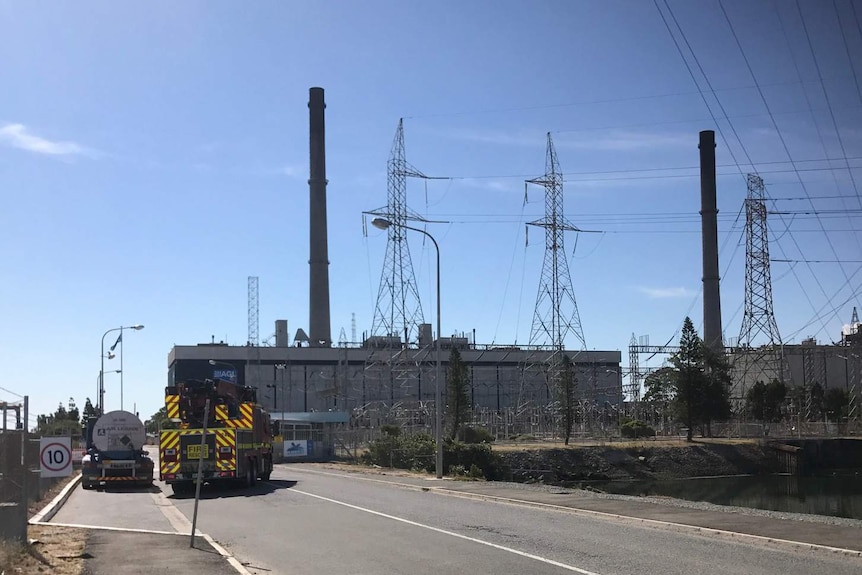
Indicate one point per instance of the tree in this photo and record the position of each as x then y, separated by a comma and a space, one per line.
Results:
690, 380
89, 411
764, 401
815, 402
61, 422
566, 388
458, 382
715, 402
835, 402
159, 420
660, 386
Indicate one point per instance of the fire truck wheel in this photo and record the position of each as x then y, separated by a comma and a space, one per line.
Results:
182, 488
250, 474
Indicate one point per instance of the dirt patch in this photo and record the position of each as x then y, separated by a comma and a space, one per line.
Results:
52, 549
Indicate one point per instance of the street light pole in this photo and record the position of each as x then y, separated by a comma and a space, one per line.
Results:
274, 389
280, 367
102, 370
383, 223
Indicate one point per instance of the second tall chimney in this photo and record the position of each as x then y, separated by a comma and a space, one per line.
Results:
318, 259
712, 336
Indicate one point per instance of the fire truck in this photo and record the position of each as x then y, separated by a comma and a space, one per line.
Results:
237, 447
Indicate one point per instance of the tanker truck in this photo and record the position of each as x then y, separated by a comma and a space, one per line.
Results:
115, 452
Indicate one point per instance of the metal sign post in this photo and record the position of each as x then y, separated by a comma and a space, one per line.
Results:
200, 473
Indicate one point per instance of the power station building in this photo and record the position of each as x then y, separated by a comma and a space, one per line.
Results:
352, 377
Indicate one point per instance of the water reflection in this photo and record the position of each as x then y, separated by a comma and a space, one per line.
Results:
838, 495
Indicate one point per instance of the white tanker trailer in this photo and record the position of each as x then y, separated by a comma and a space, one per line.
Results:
115, 452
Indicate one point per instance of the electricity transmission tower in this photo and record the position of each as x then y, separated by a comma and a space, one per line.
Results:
758, 320
253, 309
398, 311
556, 314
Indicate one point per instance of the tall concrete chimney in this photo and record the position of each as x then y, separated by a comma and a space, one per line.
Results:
709, 230
318, 259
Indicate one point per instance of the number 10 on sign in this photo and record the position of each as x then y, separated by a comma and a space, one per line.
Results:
55, 456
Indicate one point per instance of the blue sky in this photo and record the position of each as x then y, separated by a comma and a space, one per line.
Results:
153, 156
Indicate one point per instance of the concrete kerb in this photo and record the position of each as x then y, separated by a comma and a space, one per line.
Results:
52, 508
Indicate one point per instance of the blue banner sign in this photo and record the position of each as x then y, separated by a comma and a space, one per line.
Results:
225, 374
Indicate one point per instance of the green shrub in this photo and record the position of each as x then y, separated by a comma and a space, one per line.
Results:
634, 428
412, 451
417, 451
475, 435
389, 429
477, 457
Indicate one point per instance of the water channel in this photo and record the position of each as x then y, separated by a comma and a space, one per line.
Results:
837, 494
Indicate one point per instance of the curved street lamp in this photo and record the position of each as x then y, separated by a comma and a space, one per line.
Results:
383, 224
120, 329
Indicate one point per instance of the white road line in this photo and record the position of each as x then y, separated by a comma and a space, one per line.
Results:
684, 528
450, 533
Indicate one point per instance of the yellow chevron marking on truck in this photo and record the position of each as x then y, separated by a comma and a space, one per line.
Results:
221, 413
172, 406
226, 461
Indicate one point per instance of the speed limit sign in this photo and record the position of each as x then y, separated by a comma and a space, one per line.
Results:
55, 454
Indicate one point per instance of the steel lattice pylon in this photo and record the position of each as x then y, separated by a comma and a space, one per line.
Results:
556, 314
253, 311
398, 311
764, 363
758, 318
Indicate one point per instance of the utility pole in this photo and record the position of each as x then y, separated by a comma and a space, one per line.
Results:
25, 469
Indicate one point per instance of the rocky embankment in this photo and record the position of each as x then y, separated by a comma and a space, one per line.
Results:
642, 462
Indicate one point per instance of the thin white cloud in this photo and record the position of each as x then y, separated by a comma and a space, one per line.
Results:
290, 171
624, 140
666, 293
18, 136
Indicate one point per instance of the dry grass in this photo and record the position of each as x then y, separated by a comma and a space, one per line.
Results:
53, 549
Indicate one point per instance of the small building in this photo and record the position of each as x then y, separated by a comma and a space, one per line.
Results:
307, 436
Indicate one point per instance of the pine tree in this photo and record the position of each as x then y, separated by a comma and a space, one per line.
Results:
688, 362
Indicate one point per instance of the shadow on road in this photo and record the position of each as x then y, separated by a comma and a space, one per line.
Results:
117, 487
218, 491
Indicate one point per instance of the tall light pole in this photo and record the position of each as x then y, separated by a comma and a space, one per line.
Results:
274, 389
280, 367
383, 223
102, 370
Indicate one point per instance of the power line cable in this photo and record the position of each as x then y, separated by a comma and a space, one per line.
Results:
11, 392
781, 135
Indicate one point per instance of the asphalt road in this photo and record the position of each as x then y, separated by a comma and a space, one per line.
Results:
310, 520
